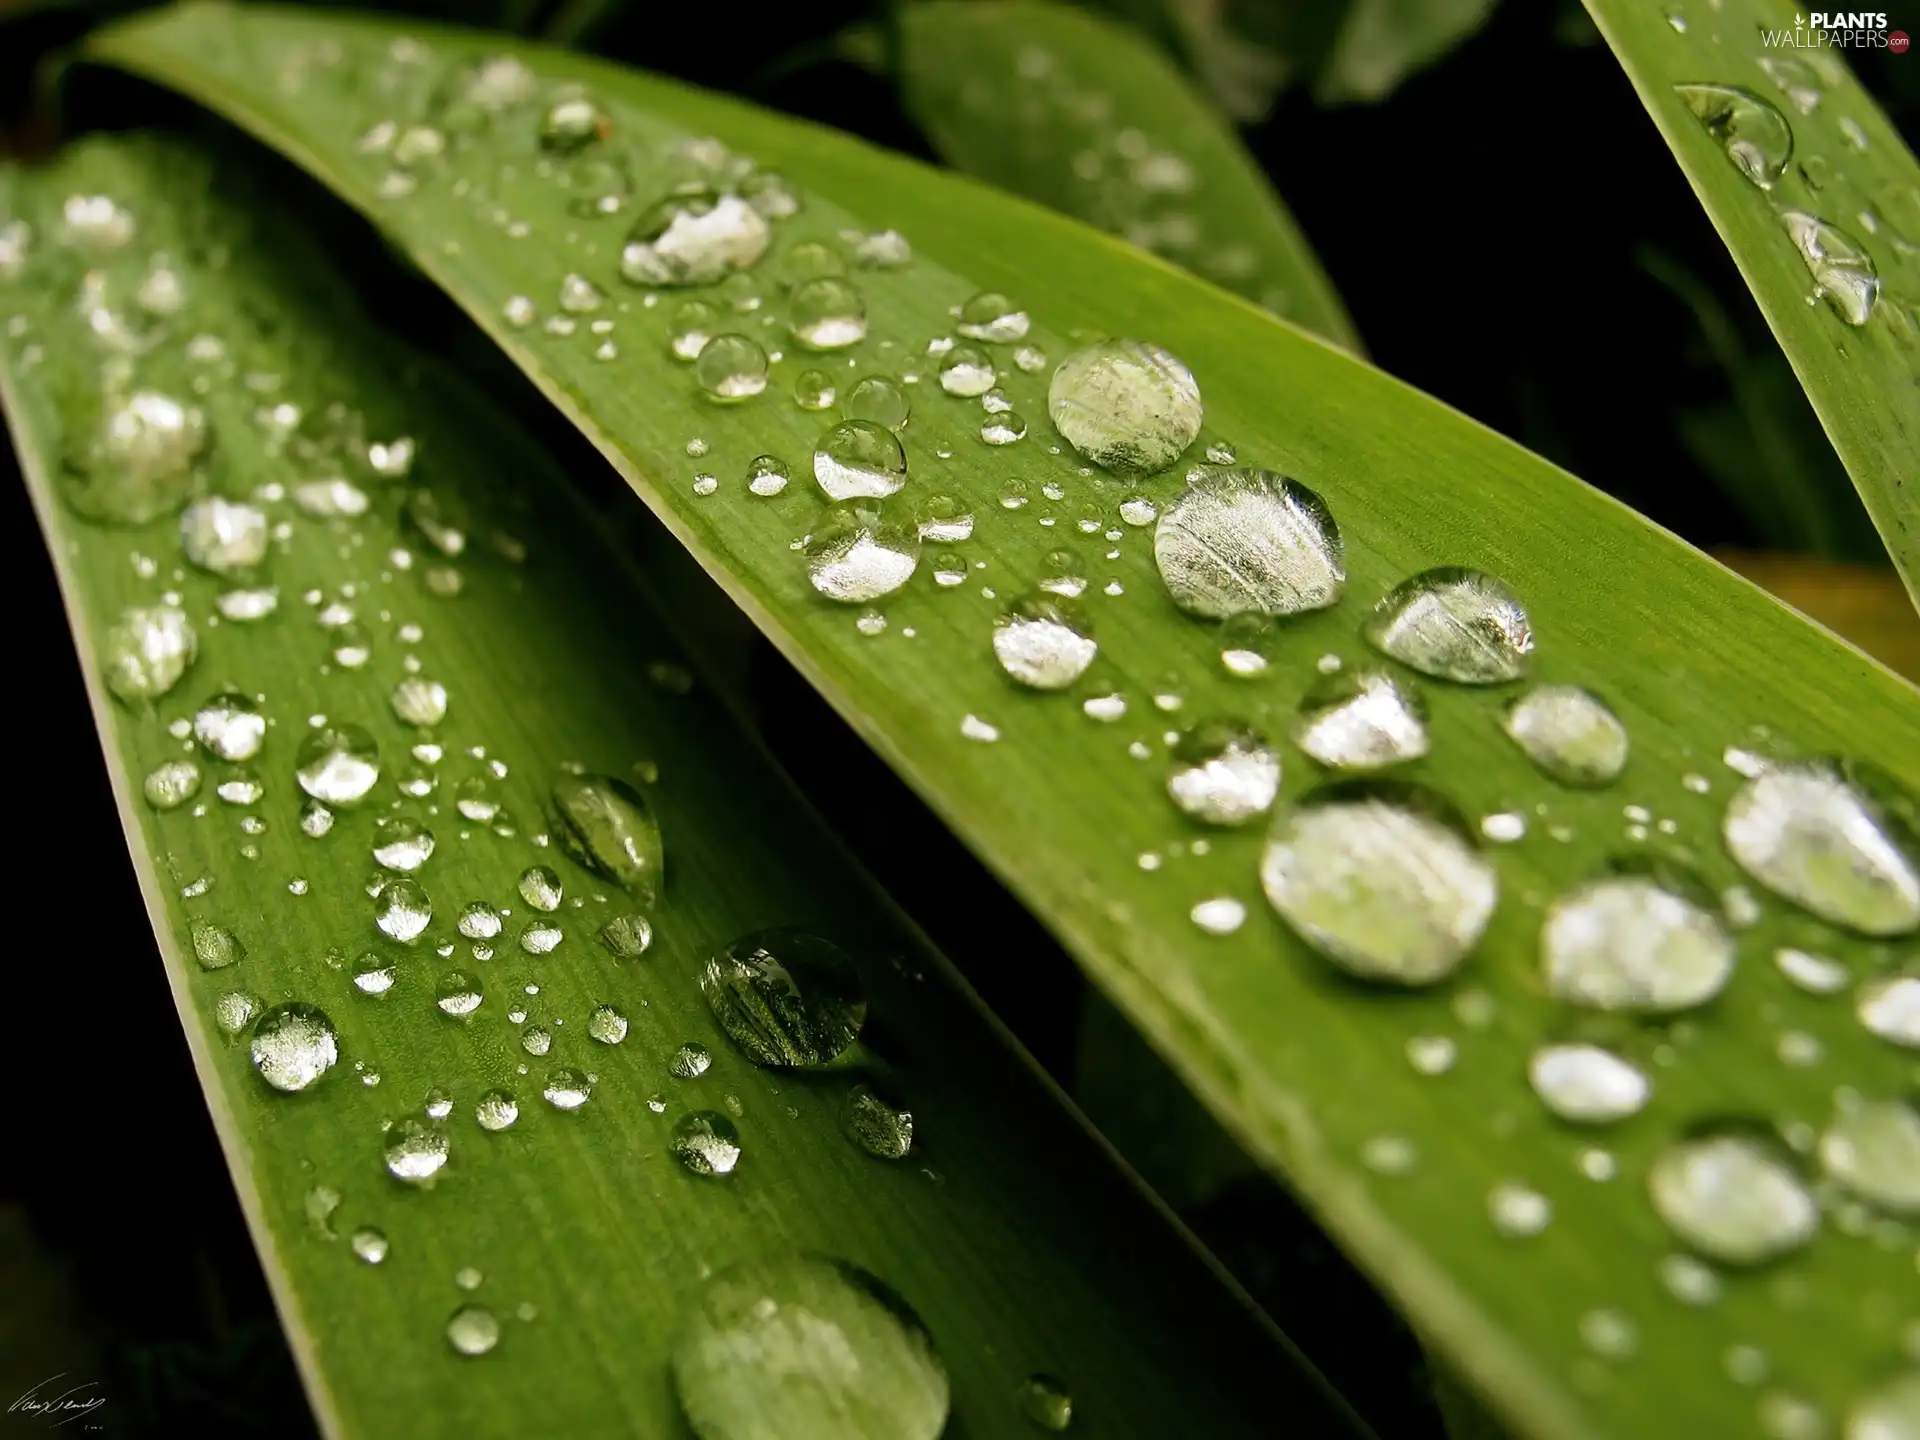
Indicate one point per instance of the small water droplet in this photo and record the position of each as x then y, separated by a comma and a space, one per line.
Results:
337, 764
785, 997
171, 784
1569, 733
1389, 1155
373, 973
1223, 773
1432, 1054
1044, 642
541, 888
401, 843
235, 1011
1754, 134
1518, 1211
1127, 406
814, 390
147, 650
859, 459
369, 1245
1843, 271
966, 371
607, 1025
828, 313
731, 367
879, 400
992, 317
1004, 429
293, 1045
1609, 1334
1815, 974
1890, 1008
459, 994
693, 238
985, 732
1872, 1149
1453, 624
473, 1330
880, 1129
1587, 1084
1381, 877
1221, 915
566, 1089
1732, 1197
706, 1142
1361, 720
1045, 1401
690, 1061
627, 936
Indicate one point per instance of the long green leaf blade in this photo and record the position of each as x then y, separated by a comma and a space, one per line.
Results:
586, 1238
1571, 1330
1077, 112
1818, 198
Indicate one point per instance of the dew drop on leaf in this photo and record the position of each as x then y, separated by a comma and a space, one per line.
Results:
1890, 1008
879, 400
1243, 539
693, 239
1587, 1084
827, 314
1643, 940
1733, 1197
605, 825
731, 367
1127, 406
223, 536
171, 783
337, 764
496, 1110
1872, 1149
141, 463
402, 910
1752, 131
1361, 720
293, 1045
786, 998
567, 1089
473, 1330
859, 553
1569, 733
859, 460
706, 1142
1843, 271
1044, 1401
877, 1127
1453, 624
147, 650
1223, 773
1043, 642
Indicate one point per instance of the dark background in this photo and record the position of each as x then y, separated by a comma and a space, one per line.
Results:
1533, 307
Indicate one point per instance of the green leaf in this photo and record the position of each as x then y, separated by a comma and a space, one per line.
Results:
1306, 1067
1818, 198
590, 1240
1077, 112
1382, 42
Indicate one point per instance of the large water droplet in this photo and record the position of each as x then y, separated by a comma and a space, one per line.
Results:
419, 702
1125, 405
880, 400
1586, 1084
1361, 720
223, 536
1873, 1149
293, 1046
401, 843
1751, 130
993, 317
1381, 877
858, 553
827, 314
1843, 272
1569, 734
786, 997
147, 650
706, 1142
1243, 539
880, 1129
859, 460
140, 465
1044, 642
402, 910
806, 1347
1732, 1197
1223, 773
1646, 939
694, 239
1453, 624
1836, 837
731, 367
567, 1089
337, 764
415, 1149
604, 824
966, 371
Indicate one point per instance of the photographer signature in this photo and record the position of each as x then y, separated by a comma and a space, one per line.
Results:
57, 1408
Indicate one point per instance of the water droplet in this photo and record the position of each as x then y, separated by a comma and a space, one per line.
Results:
1389, 1155
402, 910
369, 1245
814, 390
627, 936
966, 371
401, 843
1432, 1054
694, 239
785, 997
1569, 733
1223, 773
1044, 1400
536, 1040
141, 463
1609, 1334
337, 764
1732, 1197
806, 1346
1453, 624
879, 400
214, 947
459, 994
1644, 939
293, 1046
944, 520
1381, 877
859, 460
171, 784
373, 974
147, 650
1361, 720
223, 536
607, 1025
1139, 510
1248, 540
1752, 131
1586, 1084
1873, 1150
1890, 1008
420, 702
1003, 429
984, 732
1044, 642
603, 824
706, 1142
877, 1127
1815, 974
992, 317
571, 124
473, 1330
1843, 272
827, 314
1518, 1210
541, 937
1125, 405
690, 1061
567, 1089
235, 1011
859, 553
1889, 1412
1833, 836
541, 888
731, 367
496, 1110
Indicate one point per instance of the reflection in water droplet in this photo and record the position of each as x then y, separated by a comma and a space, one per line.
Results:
859, 460
234, 1011
402, 910
373, 973
944, 520
827, 314
1381, 877
860, 553
1518, 1211
401, 843
541, 888
473, 1330
1361, 720
786, 997
293, 1046
419, 702
1569, 733
993, 317
693, 239
966, 371
767, 475
215, 948
813, 390
567, 1089
171, 783
1732, 1197
1044, 642
1890, 1008
1223, 773
604, 824
1843, 272
369, 1245
223, 536
806, 1346
1127, 406
1003, 428
627, 936
706, 1142
1644, 940
496, 1110
1586, 1084
459, 994
337, 764
140, 464
147, 650
731, 367
690, 1061
1453, 624
879, 401
1044, 1400
1834, 837
607, 1025
479, 921
1752, 131
1243, 539
877, 1127
1873, 1150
